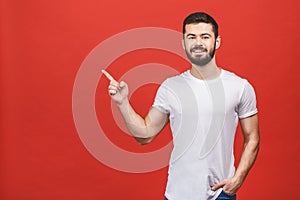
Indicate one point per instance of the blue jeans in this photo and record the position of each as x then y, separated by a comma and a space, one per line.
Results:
222, 196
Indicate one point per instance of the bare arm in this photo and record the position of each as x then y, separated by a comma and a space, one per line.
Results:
143, 129
250, 131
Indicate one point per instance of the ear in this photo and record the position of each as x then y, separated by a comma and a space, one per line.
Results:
218, 42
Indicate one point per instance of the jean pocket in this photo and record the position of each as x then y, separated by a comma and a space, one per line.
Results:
225, 196
228, 194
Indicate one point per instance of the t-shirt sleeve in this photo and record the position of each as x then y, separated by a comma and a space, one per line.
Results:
247, 104
161, 99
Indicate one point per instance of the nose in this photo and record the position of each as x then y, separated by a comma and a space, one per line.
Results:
199, 41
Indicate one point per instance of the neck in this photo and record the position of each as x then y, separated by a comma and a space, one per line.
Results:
206, 72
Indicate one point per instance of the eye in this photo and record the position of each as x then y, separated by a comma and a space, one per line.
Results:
191, 37
205, 37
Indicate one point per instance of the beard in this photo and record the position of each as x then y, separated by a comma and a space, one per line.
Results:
200, 60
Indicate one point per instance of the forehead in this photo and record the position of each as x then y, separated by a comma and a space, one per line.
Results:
198, 28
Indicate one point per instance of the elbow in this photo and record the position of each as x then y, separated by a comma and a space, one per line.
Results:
257, 142
258, 145
144, 141
254, 144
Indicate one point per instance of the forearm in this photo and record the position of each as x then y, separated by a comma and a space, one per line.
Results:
143, 129
136, 125
247, 159
249, 154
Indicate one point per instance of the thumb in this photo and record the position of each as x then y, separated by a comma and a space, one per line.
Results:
218, 185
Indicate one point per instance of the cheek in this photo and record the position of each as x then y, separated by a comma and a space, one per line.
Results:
209, 46
189, 44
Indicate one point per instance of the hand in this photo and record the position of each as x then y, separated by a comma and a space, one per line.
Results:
117, 91
230, 186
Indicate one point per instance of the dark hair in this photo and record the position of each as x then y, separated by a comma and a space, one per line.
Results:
199, 17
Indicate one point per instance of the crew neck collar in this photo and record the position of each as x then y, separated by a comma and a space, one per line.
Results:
189, 75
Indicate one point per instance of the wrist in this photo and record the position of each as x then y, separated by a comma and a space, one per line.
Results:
123, 103
238, 179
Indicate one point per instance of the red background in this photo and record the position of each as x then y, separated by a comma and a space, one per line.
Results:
43, 44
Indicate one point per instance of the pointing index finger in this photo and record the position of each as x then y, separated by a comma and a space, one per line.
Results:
107, 75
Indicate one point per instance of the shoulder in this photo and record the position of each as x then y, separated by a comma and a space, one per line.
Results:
175, 80
233, 79
230, 76
236, 84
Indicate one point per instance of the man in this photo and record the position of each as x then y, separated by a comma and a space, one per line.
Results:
203, 105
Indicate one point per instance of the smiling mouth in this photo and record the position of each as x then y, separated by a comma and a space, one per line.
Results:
198, 51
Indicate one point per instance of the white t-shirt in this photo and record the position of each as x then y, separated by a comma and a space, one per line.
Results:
203, 119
